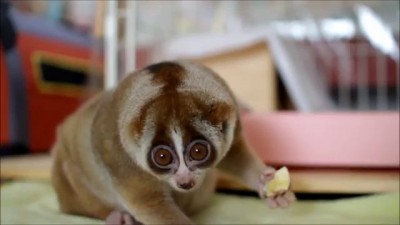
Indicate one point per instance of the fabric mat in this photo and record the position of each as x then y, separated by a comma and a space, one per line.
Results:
34, 202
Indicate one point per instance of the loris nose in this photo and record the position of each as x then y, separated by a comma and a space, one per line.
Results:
186, 185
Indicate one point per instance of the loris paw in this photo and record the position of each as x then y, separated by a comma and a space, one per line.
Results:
121, 218
280, 199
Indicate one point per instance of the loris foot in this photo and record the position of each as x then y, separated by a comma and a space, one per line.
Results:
281, 199
121, 218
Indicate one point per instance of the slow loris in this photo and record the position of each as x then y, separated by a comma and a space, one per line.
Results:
147, 151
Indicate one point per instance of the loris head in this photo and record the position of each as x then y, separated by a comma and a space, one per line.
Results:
177, 121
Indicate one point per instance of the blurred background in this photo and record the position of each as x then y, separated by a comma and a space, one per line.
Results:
320, 79
330, 68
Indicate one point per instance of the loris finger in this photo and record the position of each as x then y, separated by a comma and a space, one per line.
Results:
272, 203
282, 202
290, 196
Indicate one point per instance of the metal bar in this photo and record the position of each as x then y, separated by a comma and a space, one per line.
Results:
362, 76
111, 45
398, 84
130, 39
381, 73
344, 75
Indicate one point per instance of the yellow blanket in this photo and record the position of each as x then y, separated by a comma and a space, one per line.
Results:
33, 202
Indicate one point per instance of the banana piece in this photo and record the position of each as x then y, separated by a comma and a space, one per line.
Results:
280, 182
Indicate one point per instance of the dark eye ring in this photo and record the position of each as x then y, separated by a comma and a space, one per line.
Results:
162, 156
199, 150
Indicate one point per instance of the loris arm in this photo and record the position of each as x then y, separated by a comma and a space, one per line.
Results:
249, 169
243, 164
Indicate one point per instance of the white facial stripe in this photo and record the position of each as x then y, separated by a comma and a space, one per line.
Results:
183, 172
176, 136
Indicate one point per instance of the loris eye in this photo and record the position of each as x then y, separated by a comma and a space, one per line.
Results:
199, 150
162, 156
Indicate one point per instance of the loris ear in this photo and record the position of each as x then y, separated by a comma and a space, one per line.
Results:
219, 113
243, 107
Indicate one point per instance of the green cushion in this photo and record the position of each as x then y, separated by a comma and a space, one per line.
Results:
34, 202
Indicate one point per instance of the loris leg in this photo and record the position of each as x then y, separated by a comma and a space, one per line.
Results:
154, 212
73, 194
250, 169
161, 212
152, 207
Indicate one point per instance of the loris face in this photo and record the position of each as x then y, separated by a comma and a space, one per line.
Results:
182, 125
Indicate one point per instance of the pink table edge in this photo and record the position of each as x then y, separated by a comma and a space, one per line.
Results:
361, 139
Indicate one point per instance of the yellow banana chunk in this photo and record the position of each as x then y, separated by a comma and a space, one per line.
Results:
280, 182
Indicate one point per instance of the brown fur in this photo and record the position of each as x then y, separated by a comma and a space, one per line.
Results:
94, 172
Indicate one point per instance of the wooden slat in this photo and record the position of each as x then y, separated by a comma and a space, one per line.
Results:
303, 180
26, 167
315, 180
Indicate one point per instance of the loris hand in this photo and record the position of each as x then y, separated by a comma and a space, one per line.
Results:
121, 218
282, 198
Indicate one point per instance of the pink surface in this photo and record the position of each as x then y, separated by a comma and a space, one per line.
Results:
325, 139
